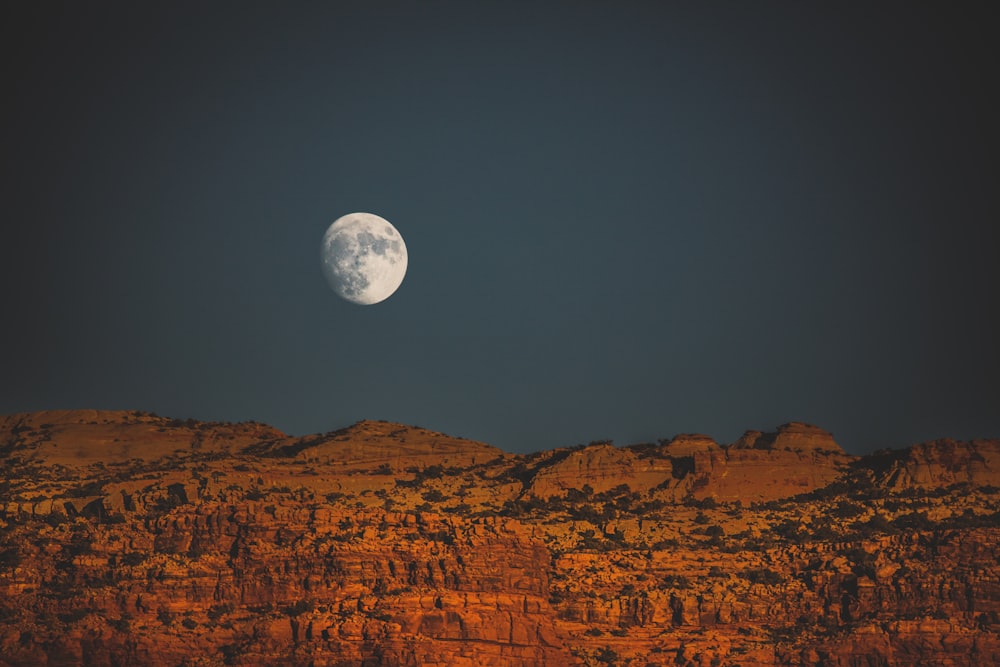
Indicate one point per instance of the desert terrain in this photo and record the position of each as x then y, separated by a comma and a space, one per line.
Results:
132, 539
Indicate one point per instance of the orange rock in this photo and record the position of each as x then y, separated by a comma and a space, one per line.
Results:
127, 538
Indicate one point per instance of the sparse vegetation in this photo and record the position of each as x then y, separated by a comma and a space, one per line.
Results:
433, 496
325, 546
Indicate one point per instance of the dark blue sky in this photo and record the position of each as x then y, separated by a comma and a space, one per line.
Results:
625, 220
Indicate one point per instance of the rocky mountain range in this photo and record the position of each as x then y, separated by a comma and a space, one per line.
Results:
132, 539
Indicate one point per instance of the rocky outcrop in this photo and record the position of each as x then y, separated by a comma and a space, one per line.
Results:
369, 444
794, 436
693, 467
183, 543
688, 444
260, 586
75, 437
751, 475
936, 464
600, 468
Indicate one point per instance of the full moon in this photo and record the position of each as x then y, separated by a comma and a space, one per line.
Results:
364, 258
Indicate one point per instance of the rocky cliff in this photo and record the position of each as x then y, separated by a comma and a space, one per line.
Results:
131, 539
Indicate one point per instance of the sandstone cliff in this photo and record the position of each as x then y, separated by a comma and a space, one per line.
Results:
131, 539
937, 463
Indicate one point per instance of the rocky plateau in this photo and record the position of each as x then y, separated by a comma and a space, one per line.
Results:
132, 539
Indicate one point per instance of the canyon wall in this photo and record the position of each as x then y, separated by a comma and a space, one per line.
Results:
131, 539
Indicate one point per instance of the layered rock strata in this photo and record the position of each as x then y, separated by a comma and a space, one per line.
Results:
131, 539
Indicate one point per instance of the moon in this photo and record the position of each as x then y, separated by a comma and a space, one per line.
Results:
364, 258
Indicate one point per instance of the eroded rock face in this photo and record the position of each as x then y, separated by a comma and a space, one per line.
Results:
76, 437
694, 466
938, 463
687, 444
127, 538
761, 474
372, 443
794, 436
599, 467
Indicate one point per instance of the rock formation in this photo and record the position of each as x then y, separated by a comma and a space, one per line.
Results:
132, 539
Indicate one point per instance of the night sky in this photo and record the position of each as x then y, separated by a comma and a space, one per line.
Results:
625, 220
